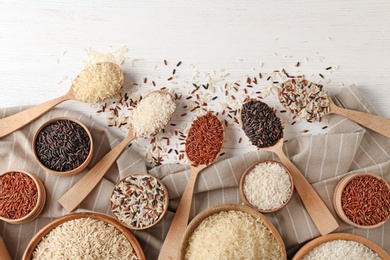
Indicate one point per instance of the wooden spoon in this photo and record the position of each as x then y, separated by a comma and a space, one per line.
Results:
322, 218
14, 122
318, 211
75, 195
171, 247
376, 123
4, 255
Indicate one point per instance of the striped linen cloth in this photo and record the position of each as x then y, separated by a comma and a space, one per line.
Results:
323, 159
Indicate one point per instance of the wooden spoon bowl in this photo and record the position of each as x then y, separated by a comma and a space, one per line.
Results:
376, 123
16, 121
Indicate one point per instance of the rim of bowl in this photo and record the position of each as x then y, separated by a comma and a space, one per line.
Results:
75, 170
95, 215
243, 195
166, 201
195, 222
304, 250
337, 199
41, 200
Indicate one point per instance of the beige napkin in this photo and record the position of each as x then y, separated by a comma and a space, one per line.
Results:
324, 160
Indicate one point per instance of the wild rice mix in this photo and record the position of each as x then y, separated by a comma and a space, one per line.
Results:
138, 201
304, 99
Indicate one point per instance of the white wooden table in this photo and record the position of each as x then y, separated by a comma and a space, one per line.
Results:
42, 48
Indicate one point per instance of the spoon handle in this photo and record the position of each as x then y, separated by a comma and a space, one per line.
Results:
376, 123
170, 248
75, 195
4, 255
321, 216
14, 122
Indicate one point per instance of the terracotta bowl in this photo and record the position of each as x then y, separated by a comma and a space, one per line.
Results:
46, 229
244, 197
339, 236
338, 195
164, 203
74, 171
227, 207
41, 200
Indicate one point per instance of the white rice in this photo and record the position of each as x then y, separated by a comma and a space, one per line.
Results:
152, 114
232, 235
97, 82
342, 250
267, 186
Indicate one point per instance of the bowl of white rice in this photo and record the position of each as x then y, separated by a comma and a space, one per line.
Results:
84, 235
341, 246
231, 231
266, 186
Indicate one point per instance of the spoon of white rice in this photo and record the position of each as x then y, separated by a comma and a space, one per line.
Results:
94, 84
150, 116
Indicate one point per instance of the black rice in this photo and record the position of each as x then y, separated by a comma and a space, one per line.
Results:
261, 124
63, 145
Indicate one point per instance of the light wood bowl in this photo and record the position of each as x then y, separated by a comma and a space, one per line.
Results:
242, 193
339, 236
166, 201
81, 166
227, 207
41, 200
338, 205
46, 229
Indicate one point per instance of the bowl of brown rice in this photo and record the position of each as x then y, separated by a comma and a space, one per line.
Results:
22, 196
362, 200
228, 230
266, 186
341, 246
85, 234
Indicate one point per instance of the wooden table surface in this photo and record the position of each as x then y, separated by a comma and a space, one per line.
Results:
43, 45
